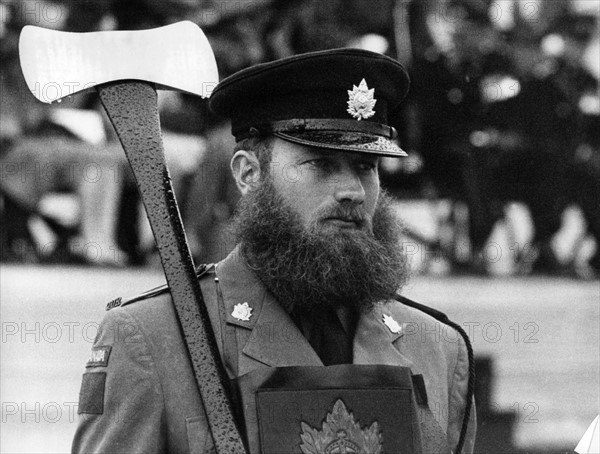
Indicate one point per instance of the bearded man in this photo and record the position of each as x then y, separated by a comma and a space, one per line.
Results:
306, 309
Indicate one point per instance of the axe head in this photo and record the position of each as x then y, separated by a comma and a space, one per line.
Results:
58, 64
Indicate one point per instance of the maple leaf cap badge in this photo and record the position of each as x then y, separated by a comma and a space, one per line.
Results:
361, 101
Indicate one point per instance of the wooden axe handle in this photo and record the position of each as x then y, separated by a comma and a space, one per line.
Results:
132, 109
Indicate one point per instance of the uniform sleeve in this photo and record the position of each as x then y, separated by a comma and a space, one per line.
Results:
457, 403
121, 406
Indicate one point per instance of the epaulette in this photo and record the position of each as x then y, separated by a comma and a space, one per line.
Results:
441, 317
120, 301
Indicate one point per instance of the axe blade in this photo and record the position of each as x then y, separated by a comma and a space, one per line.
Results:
58, 64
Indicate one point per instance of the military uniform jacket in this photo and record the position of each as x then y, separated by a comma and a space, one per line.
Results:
139, 394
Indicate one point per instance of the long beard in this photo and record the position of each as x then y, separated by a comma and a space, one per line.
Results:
315, 266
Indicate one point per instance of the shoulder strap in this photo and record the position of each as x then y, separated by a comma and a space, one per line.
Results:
443, 318
120, 302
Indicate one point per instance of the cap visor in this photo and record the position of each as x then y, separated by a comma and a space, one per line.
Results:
348, 141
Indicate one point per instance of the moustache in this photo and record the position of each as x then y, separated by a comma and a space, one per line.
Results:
348, 213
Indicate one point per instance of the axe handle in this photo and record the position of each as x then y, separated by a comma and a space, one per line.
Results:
133, 111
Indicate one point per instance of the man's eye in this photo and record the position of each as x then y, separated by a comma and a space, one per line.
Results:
322, 164
366, 166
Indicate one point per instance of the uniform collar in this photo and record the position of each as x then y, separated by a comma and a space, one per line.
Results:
275, 340
375, 343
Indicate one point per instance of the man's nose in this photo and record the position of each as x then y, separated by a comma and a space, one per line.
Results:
349, 187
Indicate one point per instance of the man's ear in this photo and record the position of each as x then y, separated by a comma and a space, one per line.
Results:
246, 170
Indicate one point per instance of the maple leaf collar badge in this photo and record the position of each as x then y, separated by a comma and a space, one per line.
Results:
392, 324
242, 312
361, 101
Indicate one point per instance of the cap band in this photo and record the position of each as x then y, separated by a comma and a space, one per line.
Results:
298, 125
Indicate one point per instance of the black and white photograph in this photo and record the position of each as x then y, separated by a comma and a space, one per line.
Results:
300, 227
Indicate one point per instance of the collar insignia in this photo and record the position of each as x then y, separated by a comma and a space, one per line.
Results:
361, 101
242, 312
392, 324
341, 434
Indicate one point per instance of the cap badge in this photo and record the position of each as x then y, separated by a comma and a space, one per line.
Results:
361, 101
392, 324
242, 312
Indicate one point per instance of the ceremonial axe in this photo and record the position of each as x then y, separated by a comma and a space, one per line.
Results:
126, 67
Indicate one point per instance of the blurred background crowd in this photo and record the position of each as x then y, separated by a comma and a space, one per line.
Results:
504, 112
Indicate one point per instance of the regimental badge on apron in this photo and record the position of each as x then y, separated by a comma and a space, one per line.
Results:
344, 409
341, 434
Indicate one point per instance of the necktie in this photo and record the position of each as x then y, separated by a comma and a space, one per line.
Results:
328, 338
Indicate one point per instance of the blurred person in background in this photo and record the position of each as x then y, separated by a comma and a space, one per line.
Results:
107, 230
498, 120
455, 119
212, 198
237, 33
54, 149
197, 145
540, 137
454, 44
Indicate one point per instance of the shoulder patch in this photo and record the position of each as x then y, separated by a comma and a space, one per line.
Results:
91, 394
99, 356
120, 302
